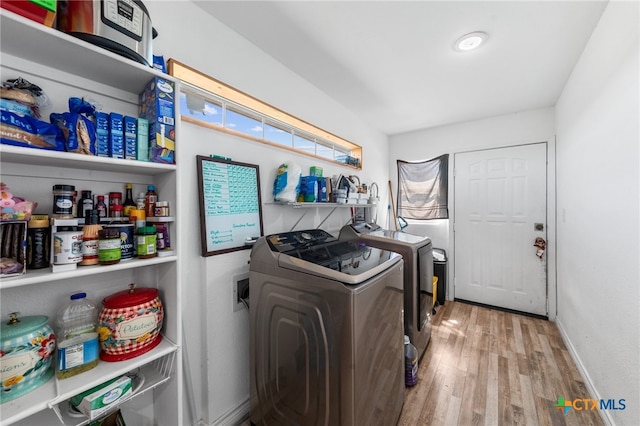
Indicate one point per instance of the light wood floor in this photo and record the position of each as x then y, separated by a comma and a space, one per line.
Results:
489, 367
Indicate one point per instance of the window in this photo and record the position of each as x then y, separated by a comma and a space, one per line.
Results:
423, 188
211, 103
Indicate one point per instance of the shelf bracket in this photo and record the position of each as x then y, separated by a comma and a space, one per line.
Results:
298, 221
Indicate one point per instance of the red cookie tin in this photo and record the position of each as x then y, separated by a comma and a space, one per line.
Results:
130, 323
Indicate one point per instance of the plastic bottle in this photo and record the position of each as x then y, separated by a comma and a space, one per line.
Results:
129, 204
150, 200
410, 363
78, 345
90, 238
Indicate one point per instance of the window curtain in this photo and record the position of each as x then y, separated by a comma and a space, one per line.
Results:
423, 188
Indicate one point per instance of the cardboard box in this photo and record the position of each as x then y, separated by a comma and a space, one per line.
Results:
41, 11
130, 137
162, 144
14, 248
142, 149
157, 105
157, 102
102, 134
116, 135
98, 400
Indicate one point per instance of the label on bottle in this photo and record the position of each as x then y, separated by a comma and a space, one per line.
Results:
77, 351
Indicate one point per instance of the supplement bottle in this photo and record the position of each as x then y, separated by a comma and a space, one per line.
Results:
78, 345
90, 238
150, 200
410, 363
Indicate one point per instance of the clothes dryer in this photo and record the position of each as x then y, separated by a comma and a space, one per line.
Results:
417, 252
326, 333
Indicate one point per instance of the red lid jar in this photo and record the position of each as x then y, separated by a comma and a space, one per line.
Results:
130, 323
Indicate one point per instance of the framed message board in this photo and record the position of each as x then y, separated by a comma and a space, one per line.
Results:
230, 205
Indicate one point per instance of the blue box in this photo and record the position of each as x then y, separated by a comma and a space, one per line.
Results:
116, 135
142, 151
157, 102
102, 134
130, 137
322, 190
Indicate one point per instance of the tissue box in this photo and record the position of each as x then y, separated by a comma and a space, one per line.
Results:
14, 248
96, 401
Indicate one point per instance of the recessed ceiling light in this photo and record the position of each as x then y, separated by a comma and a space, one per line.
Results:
470, 41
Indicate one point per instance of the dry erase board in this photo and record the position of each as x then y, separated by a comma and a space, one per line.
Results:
230, 206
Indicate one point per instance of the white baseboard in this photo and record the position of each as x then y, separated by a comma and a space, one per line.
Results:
593, 392
234, 416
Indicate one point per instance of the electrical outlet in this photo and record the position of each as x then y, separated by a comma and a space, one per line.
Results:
240, 291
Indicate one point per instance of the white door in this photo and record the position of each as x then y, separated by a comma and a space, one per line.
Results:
500, 210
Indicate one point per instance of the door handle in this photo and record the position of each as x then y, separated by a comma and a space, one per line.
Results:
541, 245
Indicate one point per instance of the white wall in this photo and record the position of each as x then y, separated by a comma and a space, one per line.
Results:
217, 338
598, 211
506, 130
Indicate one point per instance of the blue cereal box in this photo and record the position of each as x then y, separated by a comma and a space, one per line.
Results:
130, 137
116, 135
142, 151
157, 102
102, 134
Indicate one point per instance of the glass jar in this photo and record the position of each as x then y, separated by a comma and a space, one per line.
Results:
147, 242
63, 201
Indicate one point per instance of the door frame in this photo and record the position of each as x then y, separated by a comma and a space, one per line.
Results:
551, 222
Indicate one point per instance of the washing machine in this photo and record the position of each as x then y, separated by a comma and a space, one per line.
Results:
326, 333
417, 252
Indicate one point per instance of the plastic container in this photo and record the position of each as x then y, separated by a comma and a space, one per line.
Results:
78, 345
410, 363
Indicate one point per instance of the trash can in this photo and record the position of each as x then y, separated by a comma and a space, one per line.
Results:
440, 271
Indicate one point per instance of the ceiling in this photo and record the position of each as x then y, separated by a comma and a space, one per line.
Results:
393, 62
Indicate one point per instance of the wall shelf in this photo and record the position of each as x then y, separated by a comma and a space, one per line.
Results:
308, 206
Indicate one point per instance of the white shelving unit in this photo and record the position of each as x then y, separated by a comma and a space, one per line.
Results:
308, 206
64, 66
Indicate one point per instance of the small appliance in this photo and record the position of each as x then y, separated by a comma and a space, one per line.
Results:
121, 26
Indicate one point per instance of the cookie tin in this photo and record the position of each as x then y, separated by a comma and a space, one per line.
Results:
130, 323
26, 355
